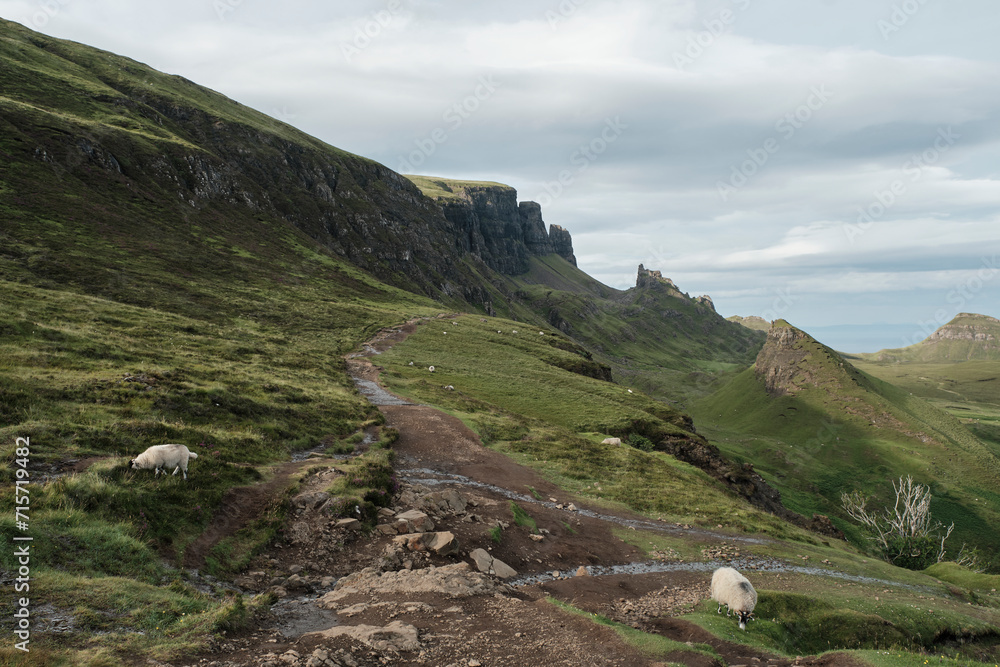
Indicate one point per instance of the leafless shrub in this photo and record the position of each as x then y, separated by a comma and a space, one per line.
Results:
904, 534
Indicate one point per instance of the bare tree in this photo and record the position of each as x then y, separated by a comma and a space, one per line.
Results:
905, 533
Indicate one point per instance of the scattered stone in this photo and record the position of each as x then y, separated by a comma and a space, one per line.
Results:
443, 543
582, 572
395, 637
536, 538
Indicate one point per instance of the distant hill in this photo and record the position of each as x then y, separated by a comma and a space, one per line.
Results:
654, 336
751, 322
967, 337
817, 426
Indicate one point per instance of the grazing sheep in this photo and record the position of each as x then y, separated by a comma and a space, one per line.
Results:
163, 457
430, 368
611, 441
732, 589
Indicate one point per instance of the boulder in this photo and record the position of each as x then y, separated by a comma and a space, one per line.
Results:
349, 524
307, 501
485, 562
415, 522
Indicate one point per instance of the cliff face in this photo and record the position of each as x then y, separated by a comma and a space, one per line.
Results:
969, 327
780, 363
491, 225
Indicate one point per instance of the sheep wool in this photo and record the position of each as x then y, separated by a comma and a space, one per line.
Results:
732, 589
163, 457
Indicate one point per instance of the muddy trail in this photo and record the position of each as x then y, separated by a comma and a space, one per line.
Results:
428, 587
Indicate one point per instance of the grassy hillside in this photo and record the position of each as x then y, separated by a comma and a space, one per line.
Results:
968, 390
132, 316
654, 337
530, 395
836, 429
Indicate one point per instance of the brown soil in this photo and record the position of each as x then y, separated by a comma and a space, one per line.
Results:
511, 627
239, 507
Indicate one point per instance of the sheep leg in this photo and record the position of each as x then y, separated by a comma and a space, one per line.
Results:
719, 610
176, 469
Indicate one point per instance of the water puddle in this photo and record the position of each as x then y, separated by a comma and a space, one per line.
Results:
375, 394
297, 616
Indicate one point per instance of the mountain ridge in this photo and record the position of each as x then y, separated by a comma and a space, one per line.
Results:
966, 337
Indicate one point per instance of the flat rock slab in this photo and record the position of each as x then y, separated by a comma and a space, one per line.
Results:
490, 565
455, 581
395, 637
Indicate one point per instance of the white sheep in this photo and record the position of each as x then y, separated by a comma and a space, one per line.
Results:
732, 589
611, 441
163, 457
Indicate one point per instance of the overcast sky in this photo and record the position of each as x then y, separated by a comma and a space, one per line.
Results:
831, 162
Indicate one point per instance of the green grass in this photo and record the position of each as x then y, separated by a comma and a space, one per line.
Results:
655, 339
651, 644
820, 617
449, 188
526, 373
522, 518
514, 391
843, 430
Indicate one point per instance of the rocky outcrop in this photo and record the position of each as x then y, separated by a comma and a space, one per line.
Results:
216, 169
647, 278
706, 300
968, 327
562, 243
492, 226
779, 364
751, 322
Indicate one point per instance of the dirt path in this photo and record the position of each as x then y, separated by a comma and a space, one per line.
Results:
513, 627
239, 507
